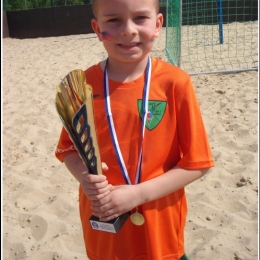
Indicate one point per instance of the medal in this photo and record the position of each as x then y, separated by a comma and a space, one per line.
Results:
137, 218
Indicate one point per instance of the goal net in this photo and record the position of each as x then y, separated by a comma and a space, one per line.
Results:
207, 36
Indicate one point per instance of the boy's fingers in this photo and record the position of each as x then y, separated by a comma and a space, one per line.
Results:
110, 187
104, 166
93, 178
100, 198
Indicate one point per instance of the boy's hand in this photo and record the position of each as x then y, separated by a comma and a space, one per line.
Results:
108, 201
95, 187
119, 200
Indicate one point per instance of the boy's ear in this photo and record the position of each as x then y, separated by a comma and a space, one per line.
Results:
159, 24
96, 28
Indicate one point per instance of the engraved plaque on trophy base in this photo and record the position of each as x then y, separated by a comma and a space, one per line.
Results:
112, 226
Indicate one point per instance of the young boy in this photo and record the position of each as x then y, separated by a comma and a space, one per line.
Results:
151, 136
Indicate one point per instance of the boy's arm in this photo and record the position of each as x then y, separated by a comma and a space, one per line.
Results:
126, 197
75, 165
167, 183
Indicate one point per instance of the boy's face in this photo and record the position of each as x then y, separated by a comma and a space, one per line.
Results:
127, 28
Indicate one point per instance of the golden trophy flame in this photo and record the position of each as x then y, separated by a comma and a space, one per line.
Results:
74, 103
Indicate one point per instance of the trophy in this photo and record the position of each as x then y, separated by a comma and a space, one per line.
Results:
74, 104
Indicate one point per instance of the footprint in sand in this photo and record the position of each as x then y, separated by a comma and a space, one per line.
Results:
37, 224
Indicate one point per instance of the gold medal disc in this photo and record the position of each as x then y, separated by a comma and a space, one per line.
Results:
137, 219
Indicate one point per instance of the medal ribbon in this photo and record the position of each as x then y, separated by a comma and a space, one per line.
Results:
146, 90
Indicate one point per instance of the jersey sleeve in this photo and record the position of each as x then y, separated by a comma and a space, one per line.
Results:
65, 146
193, 139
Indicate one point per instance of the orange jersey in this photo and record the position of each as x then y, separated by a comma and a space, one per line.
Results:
174, 135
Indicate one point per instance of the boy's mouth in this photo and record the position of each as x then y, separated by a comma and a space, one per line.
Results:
129, 44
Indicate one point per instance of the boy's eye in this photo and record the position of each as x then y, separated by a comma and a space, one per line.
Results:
113, 20
141, 17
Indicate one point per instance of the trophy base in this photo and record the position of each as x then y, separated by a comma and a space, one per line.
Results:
112, 226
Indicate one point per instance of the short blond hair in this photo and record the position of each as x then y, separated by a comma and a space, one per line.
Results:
95, 4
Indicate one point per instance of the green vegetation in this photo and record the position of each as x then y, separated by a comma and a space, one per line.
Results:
11, 5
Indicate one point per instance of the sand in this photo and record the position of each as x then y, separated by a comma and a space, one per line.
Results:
40, 217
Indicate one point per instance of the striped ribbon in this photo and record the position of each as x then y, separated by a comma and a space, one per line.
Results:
146, 90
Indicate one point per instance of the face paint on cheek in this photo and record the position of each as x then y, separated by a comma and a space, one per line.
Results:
106, 36
153, 38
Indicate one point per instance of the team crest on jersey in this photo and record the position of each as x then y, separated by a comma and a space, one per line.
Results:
156, 110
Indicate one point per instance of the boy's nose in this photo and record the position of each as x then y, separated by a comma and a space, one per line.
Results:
128, 28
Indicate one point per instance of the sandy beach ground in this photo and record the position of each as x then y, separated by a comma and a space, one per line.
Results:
40, 218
